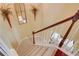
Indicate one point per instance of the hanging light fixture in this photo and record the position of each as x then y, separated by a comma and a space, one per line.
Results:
5, 12
34, 11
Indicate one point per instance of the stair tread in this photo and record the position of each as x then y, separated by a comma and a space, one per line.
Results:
49, 52
34, 50
28, 50
41, 51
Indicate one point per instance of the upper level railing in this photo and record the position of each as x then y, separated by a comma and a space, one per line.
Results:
73, 18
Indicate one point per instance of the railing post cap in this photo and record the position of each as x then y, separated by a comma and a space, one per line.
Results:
76, 16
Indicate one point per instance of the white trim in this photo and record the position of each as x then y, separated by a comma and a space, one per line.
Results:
4, 49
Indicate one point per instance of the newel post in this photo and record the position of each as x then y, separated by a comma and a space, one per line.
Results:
33, 37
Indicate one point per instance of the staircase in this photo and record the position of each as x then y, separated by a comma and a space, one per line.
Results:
25, 49
60, 44
43, 49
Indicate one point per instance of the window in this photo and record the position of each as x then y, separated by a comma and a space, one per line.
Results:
20, 12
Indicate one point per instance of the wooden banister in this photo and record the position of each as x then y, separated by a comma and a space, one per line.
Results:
65, 20
73, 18
68, 19
65, 36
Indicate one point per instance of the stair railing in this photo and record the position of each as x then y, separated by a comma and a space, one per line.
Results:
73, 18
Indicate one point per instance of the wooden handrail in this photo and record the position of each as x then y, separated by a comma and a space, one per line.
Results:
73, 18
68, 19
65, 36
65, 20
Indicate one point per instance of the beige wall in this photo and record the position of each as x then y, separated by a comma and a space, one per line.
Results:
53, 13
19, 32
47, 14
